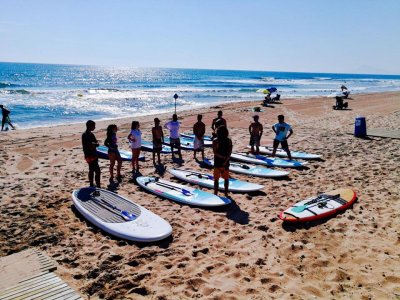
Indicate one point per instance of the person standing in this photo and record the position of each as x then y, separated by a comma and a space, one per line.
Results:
5, 118
218, 121
222, 148
281, 130
135, 141
199, 129
174, 138
256, 131
113, 153
89, 145
158, 140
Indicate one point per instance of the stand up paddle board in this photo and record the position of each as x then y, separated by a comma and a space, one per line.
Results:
320, 206
102, 152
190, 136
207, 180
186, 144
267, 161
120, 217
282, 153
180, 193
252, 170
148, 146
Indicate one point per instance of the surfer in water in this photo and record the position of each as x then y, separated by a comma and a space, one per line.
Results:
256, 131
199, 129
135, 140
113, 152
158, 140
174, 137
218, 121
281, 129
89, 145
222, 148
6, 118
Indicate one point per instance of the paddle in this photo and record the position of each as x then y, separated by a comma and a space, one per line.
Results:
200, 175
183, 191
240, 165
126, 215
317, 201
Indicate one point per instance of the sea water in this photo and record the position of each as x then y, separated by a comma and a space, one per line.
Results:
45, 94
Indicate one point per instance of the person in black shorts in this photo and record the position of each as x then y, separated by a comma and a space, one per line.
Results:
89, 145
5, 118
281, 129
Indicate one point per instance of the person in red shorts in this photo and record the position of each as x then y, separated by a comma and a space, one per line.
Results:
222, 148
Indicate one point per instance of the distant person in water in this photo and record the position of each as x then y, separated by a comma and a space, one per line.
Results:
113, 153
89, 145
6, 118
135, 141
281, 130
158, 140
174, 137
199, 129
256, 131
222, 148
218, 121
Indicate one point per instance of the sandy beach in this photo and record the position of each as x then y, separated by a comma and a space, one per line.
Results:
239, 252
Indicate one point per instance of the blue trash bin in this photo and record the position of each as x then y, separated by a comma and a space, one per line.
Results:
360, 127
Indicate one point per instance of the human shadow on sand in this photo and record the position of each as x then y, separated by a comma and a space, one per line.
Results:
293, 226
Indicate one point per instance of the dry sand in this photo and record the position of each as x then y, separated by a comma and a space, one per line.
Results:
241, 252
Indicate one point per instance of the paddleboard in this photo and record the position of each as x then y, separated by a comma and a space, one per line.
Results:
207, 180
246, 169
180, 193
148, 146
207, 138
120, 217
267, 161
186, 144
318, 207
102, 152
282, 153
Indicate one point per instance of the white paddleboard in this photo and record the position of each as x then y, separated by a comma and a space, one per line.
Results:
186, 144
267, 161
102, 152
148, 146
207, 180
180, 193
190, 136
106, 211
282, 153
246, 169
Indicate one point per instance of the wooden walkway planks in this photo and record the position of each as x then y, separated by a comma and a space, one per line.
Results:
41, 283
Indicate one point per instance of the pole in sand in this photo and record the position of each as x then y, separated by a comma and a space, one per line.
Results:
175, 97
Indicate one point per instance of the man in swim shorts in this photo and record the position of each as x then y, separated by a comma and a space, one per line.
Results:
199, 129
281, 129
89, 145
256, 131
174, 137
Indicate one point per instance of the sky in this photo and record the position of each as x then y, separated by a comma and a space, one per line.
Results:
341, 36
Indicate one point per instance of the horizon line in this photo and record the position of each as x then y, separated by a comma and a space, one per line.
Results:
191, 68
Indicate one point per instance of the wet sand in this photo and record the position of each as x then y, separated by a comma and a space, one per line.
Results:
240, 252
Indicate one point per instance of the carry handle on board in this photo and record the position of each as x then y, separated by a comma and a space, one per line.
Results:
243, 166
126, 215
183, 191
319, 200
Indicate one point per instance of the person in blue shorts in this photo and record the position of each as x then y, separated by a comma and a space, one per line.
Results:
281, 130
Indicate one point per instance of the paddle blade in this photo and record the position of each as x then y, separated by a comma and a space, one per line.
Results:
299, 209
127, 215
186, 192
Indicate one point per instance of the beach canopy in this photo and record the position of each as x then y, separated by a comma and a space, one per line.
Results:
269, 90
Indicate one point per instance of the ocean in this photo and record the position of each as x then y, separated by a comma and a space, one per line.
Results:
46, 94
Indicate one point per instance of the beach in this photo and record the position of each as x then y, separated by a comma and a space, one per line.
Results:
242, 251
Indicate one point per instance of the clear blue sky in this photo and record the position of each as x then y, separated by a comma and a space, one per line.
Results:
347, 36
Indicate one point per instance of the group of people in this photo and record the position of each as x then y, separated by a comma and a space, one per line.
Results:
221, 144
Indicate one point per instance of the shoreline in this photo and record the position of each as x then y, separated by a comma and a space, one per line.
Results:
241, 251
202, 107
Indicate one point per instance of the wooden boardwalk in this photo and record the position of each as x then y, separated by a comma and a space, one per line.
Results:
28, 275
